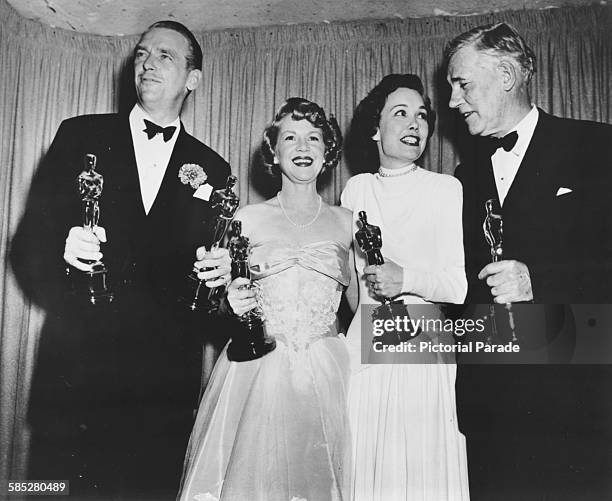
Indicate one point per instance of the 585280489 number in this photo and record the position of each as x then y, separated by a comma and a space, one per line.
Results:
36, 487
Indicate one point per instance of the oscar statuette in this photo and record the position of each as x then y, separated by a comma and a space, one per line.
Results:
94, 283
249, 340
224, 203
369, 239
493, 228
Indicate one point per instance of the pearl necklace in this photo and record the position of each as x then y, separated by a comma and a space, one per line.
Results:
292, 222
383, 173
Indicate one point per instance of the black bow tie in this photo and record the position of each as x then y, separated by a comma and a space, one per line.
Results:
153, 129
507, 142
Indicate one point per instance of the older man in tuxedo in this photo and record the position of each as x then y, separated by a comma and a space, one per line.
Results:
116, 384
533, 431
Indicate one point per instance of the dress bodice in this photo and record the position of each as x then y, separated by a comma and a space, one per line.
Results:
299, 288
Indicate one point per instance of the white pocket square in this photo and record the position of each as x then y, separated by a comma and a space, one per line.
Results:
203, 192
563, 191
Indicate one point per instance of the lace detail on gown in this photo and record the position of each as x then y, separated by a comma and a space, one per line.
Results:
300, 306
303, 316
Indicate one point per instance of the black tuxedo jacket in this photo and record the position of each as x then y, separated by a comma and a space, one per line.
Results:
134, 363
157, 247
542, 431
565, 239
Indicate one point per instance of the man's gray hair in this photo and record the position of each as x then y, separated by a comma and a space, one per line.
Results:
499, 39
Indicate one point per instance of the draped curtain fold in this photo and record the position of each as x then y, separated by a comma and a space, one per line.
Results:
50, 74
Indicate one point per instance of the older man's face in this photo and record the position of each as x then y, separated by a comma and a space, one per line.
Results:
477, 91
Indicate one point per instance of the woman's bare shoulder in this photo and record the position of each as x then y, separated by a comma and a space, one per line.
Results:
253, 215
344, 218
343, 214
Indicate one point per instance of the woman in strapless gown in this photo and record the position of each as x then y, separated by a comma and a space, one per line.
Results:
406, 442
275, 428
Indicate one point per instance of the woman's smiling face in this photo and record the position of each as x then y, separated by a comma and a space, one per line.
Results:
403, 129
299, 151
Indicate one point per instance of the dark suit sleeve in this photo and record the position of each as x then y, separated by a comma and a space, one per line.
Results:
52, 208
472, 237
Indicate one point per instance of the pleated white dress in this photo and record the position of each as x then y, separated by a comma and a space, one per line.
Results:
405, 439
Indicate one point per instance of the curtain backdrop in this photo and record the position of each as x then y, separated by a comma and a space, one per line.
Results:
49, 74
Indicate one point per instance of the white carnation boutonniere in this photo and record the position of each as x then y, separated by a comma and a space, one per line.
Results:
193, 175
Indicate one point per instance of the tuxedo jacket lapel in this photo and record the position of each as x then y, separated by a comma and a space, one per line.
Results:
485, 180
542, 169
529, 175
123, 213
122, 162
175, 218
525, 206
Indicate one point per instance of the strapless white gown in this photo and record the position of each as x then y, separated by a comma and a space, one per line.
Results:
276, 428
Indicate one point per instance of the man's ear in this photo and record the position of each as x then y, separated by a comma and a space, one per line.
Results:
193, 79
508, 74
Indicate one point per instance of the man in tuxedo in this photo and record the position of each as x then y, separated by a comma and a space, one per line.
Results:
116, 384
533, 431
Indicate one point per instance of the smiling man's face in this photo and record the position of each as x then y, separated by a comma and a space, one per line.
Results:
162, 76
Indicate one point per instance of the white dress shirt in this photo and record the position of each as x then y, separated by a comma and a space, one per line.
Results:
506, 163
152, 155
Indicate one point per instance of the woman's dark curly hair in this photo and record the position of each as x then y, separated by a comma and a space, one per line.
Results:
302, 109
367, 115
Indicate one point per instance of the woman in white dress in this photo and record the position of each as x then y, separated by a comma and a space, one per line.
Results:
275, 428
406, 443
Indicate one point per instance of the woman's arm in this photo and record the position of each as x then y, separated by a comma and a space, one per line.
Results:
448, 283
